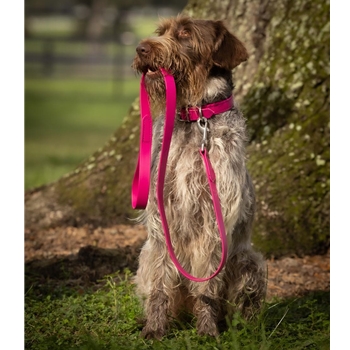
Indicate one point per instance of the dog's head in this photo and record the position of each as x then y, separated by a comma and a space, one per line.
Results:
189, 49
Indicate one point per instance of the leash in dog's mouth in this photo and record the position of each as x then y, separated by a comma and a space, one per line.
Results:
141, 180
151, 71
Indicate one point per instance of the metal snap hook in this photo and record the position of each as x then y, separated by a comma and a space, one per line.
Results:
203, 128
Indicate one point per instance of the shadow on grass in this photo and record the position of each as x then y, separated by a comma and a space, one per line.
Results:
70, 274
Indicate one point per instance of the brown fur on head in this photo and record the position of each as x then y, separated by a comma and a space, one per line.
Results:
189, 49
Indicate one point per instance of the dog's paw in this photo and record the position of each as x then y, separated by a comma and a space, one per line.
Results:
210, 329
207, 326
211, 332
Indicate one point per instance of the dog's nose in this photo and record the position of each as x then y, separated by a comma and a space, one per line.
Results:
143, 49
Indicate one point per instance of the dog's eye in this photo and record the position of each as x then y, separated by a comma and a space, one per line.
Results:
184, 34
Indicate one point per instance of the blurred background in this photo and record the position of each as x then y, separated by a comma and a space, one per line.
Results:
78, 78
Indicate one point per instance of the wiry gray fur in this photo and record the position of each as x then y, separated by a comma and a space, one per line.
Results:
241, 285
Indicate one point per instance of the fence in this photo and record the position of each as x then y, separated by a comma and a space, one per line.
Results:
62, 57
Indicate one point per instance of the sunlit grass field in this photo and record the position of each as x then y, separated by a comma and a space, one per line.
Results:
68, 119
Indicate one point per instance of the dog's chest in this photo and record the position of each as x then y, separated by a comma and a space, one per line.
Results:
186, 182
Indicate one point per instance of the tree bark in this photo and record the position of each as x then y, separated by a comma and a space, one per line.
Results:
94, 28
283, 90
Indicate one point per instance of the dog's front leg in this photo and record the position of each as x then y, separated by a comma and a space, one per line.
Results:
158, 309
247, 285
207, 306
157, 281
207, 310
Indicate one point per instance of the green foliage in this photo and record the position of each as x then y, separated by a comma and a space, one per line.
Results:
108, 319
66, 120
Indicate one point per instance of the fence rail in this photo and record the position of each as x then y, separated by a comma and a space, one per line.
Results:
62, 57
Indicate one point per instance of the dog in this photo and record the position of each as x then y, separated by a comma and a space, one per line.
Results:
200, 54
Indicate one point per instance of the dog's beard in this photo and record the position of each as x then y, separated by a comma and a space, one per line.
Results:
186, 81
156, 92
155, 85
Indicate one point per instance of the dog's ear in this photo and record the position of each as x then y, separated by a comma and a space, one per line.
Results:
229, 52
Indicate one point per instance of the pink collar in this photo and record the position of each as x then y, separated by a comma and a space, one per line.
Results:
192, 114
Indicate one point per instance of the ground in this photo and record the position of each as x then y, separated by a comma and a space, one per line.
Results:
82, 256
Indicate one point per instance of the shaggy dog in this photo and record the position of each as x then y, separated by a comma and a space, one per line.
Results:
200, 54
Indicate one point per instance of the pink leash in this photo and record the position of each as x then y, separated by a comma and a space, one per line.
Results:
142, 176
141, 181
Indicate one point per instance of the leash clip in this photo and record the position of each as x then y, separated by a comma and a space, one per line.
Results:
203, 128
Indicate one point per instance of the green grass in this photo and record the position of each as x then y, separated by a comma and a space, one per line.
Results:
107, 319
68, 119
51, 26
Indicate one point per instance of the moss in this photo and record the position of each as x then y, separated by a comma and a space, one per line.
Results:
292, 192
287, 107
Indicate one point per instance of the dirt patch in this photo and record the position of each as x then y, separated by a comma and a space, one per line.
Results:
63, 241
84, 255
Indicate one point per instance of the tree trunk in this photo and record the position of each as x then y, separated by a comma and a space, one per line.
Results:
283, 90
95, 25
